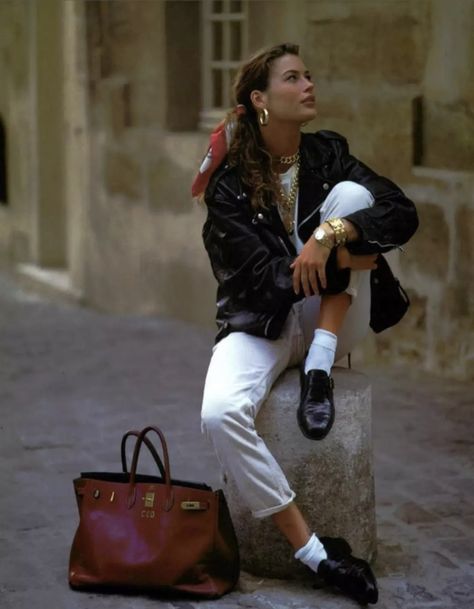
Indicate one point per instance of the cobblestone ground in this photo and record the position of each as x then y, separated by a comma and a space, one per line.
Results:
73, 380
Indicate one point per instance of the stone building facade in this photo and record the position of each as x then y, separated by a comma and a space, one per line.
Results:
104, 107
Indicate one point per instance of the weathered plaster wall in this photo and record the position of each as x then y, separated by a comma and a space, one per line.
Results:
144, 247
399, 85
32, 107
77, 190
16, 109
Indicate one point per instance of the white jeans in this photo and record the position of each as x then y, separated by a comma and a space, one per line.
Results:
243, 369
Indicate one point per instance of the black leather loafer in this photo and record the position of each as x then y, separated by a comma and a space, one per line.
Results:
336, 547
351, 575
316, 410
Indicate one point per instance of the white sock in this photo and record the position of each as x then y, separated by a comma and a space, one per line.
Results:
322, 351
312, 553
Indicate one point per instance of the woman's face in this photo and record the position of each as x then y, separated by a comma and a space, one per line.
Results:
289, 96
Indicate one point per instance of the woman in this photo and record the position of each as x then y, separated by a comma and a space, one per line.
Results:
295, 227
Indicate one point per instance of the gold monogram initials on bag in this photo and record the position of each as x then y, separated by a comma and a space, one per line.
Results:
147, 514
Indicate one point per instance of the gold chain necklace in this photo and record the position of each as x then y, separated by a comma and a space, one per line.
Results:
289, 160
286, 204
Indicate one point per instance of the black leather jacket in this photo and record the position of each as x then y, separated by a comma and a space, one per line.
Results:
251, 253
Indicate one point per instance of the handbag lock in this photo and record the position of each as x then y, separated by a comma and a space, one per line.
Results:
149, 500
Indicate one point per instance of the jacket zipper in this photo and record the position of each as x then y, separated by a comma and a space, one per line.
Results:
399, 247
265, 331
284, 245
310, 215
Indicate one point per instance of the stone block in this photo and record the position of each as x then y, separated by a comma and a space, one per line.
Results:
332, 479
458, 299
131, 32
182, 59
407, 341
118, 106
328, 10
121, 21
391, 137
387, 146
147, 109
454, 339
399, 51
452, 345
465, 246
392, 155
448, 138
123, 175
351, 57
334, 102
15, 36
390, 114
372, 44
427, 251
169, 187
195, 286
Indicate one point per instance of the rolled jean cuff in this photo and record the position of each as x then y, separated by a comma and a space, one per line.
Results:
274, 510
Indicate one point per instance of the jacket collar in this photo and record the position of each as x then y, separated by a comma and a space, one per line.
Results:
314, 153
315, 157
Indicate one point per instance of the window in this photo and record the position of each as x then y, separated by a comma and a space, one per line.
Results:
3, 165
224, 44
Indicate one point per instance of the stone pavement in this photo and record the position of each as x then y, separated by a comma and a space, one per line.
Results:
73, 380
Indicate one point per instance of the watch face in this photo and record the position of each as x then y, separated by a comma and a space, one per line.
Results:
319, 234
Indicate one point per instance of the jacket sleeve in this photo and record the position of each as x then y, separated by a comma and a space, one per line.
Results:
242, 264
391, 221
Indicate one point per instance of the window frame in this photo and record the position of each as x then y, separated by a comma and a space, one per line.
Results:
211, 114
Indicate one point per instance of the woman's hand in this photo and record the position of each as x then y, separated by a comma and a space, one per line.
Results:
308, 266
346, 260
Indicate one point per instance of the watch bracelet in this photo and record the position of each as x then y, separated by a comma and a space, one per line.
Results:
340, 234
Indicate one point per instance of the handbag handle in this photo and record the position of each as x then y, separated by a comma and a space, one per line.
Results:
133, 469
150, 447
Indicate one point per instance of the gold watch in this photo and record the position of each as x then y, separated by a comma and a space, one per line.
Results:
323, 238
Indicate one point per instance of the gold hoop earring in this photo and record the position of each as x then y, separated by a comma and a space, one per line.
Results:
263, 117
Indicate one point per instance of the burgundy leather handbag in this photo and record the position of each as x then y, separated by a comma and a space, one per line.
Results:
143, 533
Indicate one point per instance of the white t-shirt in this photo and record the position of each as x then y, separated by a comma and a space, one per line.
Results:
285, 179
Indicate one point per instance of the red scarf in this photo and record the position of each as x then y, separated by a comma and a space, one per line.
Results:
218, 147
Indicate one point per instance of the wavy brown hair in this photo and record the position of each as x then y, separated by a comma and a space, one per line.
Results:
247, 148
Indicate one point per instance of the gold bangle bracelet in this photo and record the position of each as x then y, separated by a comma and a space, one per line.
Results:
340, 234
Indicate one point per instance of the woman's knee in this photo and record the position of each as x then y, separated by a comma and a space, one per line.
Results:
211, 420
345, 198
221, 415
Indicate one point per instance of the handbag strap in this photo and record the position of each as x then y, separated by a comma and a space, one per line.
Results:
133, 469
150, 447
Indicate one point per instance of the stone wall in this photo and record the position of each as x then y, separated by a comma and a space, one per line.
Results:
377, 85
399, 85
31, 104
16, 106
144, 251
437, 269
394, 77
368, 59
